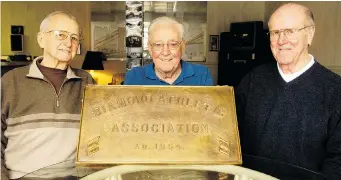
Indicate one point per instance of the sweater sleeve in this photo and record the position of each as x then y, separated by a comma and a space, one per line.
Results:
92, 81
4, 114
89, 79
332, 163
241, 92
4, 171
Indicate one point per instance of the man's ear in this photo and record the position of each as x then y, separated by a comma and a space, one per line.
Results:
311, 33
149, 48
183, 46
40, 39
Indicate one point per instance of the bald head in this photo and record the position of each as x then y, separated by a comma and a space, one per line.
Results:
52, 16
301, 13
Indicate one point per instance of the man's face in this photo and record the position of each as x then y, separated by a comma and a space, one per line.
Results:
289, 49
55, 47
165, 46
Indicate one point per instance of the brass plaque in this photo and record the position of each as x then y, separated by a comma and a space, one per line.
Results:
158, 125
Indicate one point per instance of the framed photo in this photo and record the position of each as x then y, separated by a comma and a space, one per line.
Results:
134, 52
214, 42
108, 37
131, 63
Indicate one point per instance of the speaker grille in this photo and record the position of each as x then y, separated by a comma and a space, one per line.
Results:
17, 43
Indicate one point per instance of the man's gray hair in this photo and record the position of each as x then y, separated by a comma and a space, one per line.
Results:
44, 24
166, 20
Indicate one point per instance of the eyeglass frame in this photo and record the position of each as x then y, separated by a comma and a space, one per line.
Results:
68, 35
163, 45
295, 30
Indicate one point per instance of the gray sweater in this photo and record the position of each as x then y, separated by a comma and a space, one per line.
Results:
39, 124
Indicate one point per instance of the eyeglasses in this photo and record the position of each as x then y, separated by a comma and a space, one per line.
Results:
62, 35
288, 33
172, 45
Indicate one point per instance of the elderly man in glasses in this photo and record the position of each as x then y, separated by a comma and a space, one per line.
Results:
166, 46
289, 112
41, 104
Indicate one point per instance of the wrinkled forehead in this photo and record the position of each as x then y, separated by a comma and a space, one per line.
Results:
287, 18
164, 32
62, 22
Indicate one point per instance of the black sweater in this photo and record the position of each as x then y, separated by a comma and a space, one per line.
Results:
296, 123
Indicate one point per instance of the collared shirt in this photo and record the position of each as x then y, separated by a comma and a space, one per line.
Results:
290, 77
55, 76
191, 74
34, 71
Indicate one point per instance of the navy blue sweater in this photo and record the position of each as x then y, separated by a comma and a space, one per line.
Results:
296, 123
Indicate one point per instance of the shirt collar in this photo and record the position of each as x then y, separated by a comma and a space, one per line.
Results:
290, 77
34, 71
186, 71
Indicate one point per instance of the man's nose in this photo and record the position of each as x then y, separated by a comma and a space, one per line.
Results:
165, 50
282, 39
68, 41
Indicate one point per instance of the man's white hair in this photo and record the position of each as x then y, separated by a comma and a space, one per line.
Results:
166, 20
44, 24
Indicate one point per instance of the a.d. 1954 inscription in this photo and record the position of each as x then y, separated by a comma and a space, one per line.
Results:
158, 125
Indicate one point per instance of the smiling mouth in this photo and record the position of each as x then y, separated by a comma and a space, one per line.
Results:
284, 49
165, 60
66, 51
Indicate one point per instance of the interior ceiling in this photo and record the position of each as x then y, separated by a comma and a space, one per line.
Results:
151, 6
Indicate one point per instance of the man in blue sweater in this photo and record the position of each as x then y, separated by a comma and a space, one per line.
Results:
289, 112
166, 46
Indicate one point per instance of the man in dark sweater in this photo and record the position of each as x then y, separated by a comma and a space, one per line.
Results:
289, 112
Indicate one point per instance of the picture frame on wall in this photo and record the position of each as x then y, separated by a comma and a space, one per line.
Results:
214, 43
107, 37
131, 63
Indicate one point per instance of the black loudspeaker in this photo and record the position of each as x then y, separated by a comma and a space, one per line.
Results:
242, 49
17, 43
17, 30
245, 35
